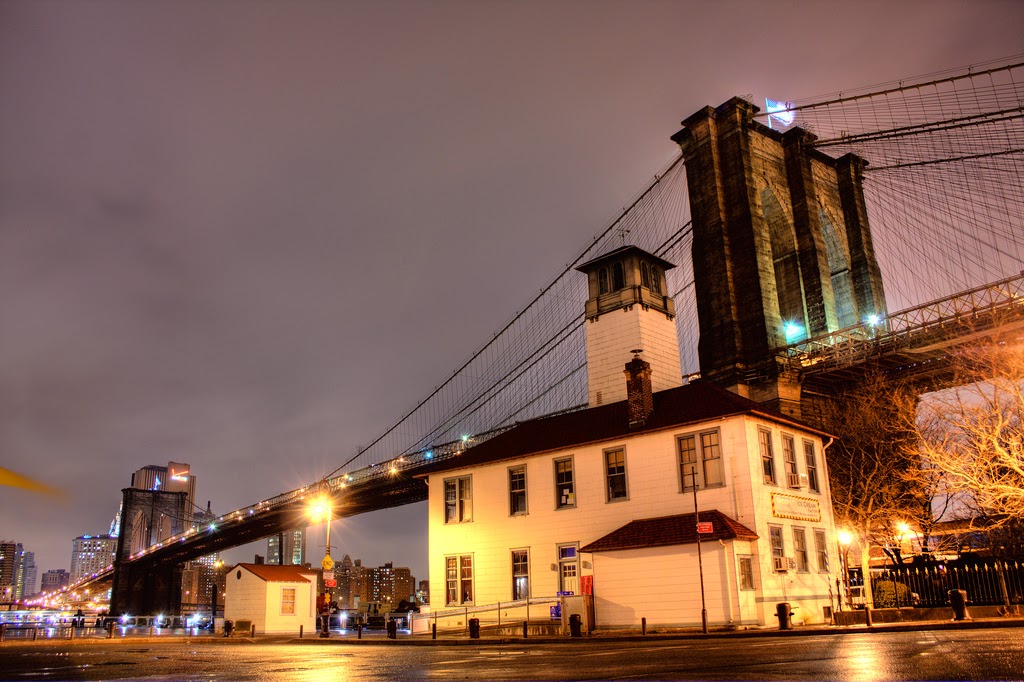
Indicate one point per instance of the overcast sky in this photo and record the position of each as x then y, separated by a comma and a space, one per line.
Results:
250, 235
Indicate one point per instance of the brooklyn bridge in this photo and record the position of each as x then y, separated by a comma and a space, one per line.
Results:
813, 242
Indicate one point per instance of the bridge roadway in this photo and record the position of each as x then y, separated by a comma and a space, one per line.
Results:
915, 343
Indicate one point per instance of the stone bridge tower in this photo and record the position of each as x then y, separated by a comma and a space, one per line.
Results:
781, 247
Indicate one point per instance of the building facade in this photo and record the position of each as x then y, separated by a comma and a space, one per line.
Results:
91, 554
606, 501
287, 548
54, 580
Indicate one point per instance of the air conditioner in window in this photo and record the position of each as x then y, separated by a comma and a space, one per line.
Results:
793, 480
781, 565
803, 480
790, 563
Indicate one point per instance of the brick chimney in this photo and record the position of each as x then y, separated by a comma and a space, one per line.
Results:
639, 396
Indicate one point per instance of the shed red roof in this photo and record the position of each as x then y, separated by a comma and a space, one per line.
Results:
278, 574
695, 402
679, 529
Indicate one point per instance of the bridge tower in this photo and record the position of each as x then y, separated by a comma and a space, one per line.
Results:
147, 517
628, 308
781, 247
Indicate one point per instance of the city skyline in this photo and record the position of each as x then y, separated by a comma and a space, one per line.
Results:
194, 201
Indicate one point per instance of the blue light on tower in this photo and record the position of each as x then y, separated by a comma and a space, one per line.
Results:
873, 320
793, 331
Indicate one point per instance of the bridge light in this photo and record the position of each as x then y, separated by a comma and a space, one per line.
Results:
465, 439
213, 526
393, 469
429, 454
793, 331
873, 320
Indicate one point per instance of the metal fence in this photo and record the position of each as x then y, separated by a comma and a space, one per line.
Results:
995, 583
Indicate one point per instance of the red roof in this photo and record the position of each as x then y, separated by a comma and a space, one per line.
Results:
695, 402
272, 573
679, 529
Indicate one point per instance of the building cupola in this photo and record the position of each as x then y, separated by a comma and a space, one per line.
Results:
628, 307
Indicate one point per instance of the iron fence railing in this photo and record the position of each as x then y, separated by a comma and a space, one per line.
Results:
995, 583
502, 613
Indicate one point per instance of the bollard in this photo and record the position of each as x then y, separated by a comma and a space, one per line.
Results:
300, 632
3, 631
72, 635
433, 630
252, 631
867, 616
643, 626
474, 628
526, 631
784, 615
575, 625
359, 631
958, 601
110, 630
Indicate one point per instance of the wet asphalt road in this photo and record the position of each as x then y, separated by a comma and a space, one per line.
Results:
987, 654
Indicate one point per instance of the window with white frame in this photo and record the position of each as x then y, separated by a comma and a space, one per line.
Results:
565, 487
746, 564
520, 574
517, 490
458, 499
459, 580
811, 460
615, 474
800, 550
700, 458
789, 455
775, 538
821, 550
764, 442
287, 601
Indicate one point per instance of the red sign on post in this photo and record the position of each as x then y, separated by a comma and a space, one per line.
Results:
330, 583
705, 527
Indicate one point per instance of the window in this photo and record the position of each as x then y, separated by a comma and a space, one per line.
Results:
656, 280
459, 579
746, 573
520, 574
458, 500
812, 466
645, 275
602, 281
287, 601
764, 441
789, 455
615, 474
517, 490
800, 549
565, 489
821, 549
618, 277
775, 537
709, 473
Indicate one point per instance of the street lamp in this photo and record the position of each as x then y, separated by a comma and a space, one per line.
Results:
321, 509
213, 594
845, 539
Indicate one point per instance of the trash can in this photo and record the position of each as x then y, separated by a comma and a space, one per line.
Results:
392, 629
575, 625
784, 615
474, 628
958, 601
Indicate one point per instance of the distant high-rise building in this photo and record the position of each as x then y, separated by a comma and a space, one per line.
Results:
176, 477
199, 575
392, 585
287, 548
54, 580
91, 554
25, 574
358, 584
8, 565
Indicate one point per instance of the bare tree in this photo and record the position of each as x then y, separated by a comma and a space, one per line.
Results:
875, 469
974, 432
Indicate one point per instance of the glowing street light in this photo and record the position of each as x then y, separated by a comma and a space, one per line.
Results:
321, 509
845, 538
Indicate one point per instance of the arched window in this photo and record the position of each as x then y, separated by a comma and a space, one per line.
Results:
656, 280
645, 275
618, 277
602, 281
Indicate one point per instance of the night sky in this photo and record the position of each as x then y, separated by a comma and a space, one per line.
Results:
250, 235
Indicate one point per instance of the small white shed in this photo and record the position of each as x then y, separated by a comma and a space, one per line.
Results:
276, 599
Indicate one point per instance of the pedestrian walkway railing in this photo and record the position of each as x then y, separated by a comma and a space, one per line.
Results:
994, 583
454, 619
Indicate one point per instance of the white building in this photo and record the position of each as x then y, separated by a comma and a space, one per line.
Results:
276, 599
91, 554
600, 501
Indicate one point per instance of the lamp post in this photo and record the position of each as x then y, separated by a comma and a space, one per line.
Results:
321, 508
903, 529
700, 560
845, 539
213, 594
